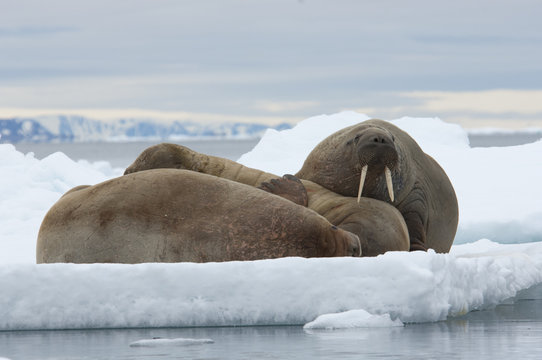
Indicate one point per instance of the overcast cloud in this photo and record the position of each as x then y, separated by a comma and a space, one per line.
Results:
275, 59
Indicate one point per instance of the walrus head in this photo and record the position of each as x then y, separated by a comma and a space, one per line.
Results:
377, 157
360, 160
340, 242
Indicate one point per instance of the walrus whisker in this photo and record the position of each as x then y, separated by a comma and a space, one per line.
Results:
362, 180
389, 183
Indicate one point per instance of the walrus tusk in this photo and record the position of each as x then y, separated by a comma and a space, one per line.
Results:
389, 183
362, 180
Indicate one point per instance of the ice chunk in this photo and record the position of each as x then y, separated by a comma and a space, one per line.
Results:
157, 342
352, 319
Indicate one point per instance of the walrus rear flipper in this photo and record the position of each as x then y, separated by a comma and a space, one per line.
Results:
164, 156
288, 187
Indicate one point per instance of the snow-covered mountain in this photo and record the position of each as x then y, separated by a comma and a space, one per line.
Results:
69, 128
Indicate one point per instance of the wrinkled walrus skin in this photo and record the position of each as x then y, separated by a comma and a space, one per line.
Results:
379, 226
422, 191
168, 215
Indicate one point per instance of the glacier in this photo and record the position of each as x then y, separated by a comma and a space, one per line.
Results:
73, 128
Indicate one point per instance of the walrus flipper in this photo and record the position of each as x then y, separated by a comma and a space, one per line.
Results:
164, 156
415, 213
288, 187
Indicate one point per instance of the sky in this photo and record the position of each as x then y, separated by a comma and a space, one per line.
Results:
476, 63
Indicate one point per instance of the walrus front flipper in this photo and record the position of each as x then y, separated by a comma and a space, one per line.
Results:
415, 213
288, 187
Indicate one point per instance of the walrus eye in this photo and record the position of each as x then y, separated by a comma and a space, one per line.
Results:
333, 227
354, 140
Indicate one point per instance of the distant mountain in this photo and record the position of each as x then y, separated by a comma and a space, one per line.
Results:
64, 128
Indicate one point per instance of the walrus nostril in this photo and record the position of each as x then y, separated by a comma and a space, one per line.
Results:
355, 251
380, 139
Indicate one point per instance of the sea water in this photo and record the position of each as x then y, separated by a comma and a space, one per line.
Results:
510, 331
122, 154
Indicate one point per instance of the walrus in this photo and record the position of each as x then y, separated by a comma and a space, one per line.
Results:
379, 226
169, 215
376, 159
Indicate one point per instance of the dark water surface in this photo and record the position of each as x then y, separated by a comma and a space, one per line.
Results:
511, 139
511, 331
123, 154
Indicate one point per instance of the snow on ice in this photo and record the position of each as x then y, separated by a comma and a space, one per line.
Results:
497, 254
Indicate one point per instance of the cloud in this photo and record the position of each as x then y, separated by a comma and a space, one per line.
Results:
473, 39
29, 31
523, 102
502, 108
284, 106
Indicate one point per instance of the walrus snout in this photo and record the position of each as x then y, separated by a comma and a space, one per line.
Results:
377, 155
352, 245
376, 149
381, 138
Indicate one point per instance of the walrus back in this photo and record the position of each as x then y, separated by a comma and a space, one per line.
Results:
170, 215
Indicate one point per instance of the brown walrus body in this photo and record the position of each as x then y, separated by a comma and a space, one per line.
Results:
170, 215
379, 226
415, 184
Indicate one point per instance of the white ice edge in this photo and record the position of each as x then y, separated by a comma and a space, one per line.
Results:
411, 287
